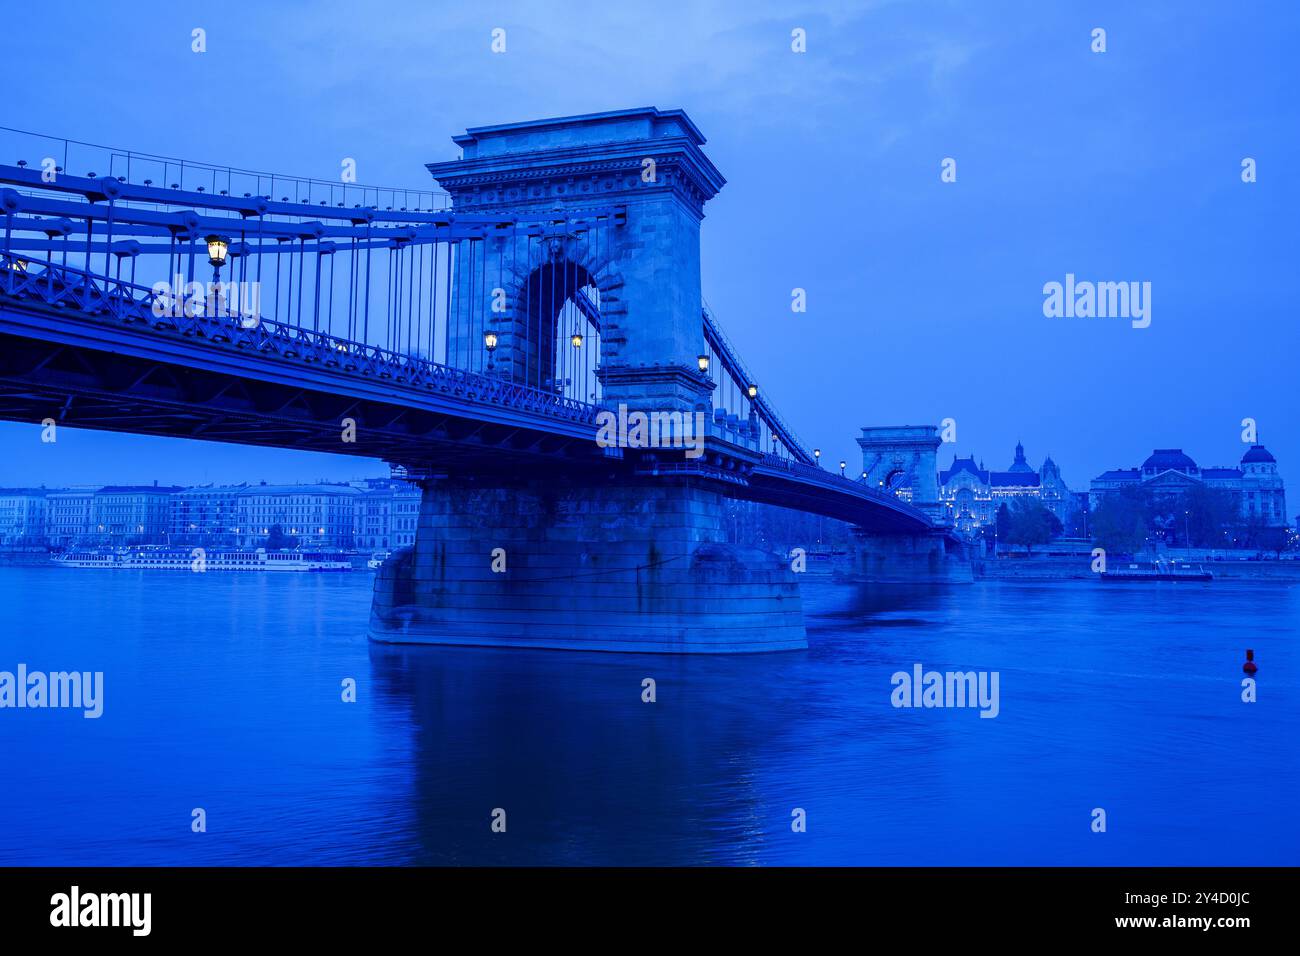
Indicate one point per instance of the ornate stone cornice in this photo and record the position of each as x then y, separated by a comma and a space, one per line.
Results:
593, 158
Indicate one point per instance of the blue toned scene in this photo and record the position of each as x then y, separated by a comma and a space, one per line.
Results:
763, 434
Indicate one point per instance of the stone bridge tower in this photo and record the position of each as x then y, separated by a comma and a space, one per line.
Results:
902, 459
646, 271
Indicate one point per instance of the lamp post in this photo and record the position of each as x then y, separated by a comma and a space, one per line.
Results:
817, 453
843, 465
218, 249
753, 391
490, 343
703, 362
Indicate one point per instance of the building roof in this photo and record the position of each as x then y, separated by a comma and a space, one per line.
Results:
1024, 477
1119, 474
963, 464
1013, 479
1220, 472
300, 490
1256, 454
137, 489
1165, 459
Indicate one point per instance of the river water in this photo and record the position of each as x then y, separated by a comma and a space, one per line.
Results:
224, 692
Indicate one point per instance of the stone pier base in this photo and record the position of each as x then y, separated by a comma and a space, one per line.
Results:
919, 559
641, 568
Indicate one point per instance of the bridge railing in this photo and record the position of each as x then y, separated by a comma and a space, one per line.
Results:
57, 153
858, 487
130, 304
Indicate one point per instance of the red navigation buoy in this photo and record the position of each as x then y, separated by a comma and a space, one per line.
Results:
1249, 667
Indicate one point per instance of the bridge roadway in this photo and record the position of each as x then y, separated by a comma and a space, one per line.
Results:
88, 352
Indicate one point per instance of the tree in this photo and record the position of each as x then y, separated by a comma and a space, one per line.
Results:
1119, 524
1207, 514
1030, 523
278, 540
1003, 520
1267, 538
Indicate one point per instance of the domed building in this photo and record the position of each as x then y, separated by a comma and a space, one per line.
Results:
1169, 472
970, 495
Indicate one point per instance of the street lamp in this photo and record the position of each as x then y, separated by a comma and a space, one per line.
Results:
218, 248
703, 362
576, 340
817, 453
843, 465
753, 391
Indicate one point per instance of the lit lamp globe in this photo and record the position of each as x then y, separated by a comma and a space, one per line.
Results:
576, 340
703, 362
218, 248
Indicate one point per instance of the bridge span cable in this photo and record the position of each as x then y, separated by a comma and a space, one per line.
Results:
730, 361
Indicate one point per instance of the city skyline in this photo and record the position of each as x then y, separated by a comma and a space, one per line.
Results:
372, 513
285, 466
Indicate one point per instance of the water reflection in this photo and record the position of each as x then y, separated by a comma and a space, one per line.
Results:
224, 692
586, 770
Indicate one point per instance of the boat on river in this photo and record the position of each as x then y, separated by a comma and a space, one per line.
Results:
196, 559
1158, 571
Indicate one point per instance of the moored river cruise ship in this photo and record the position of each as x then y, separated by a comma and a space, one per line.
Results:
195, 559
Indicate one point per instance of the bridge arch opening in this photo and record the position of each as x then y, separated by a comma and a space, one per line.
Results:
896, 480
558, 330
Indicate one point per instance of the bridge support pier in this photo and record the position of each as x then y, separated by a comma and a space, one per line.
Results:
909, 559
641, 567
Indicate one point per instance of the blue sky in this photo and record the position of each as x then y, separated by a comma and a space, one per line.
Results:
924, 298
